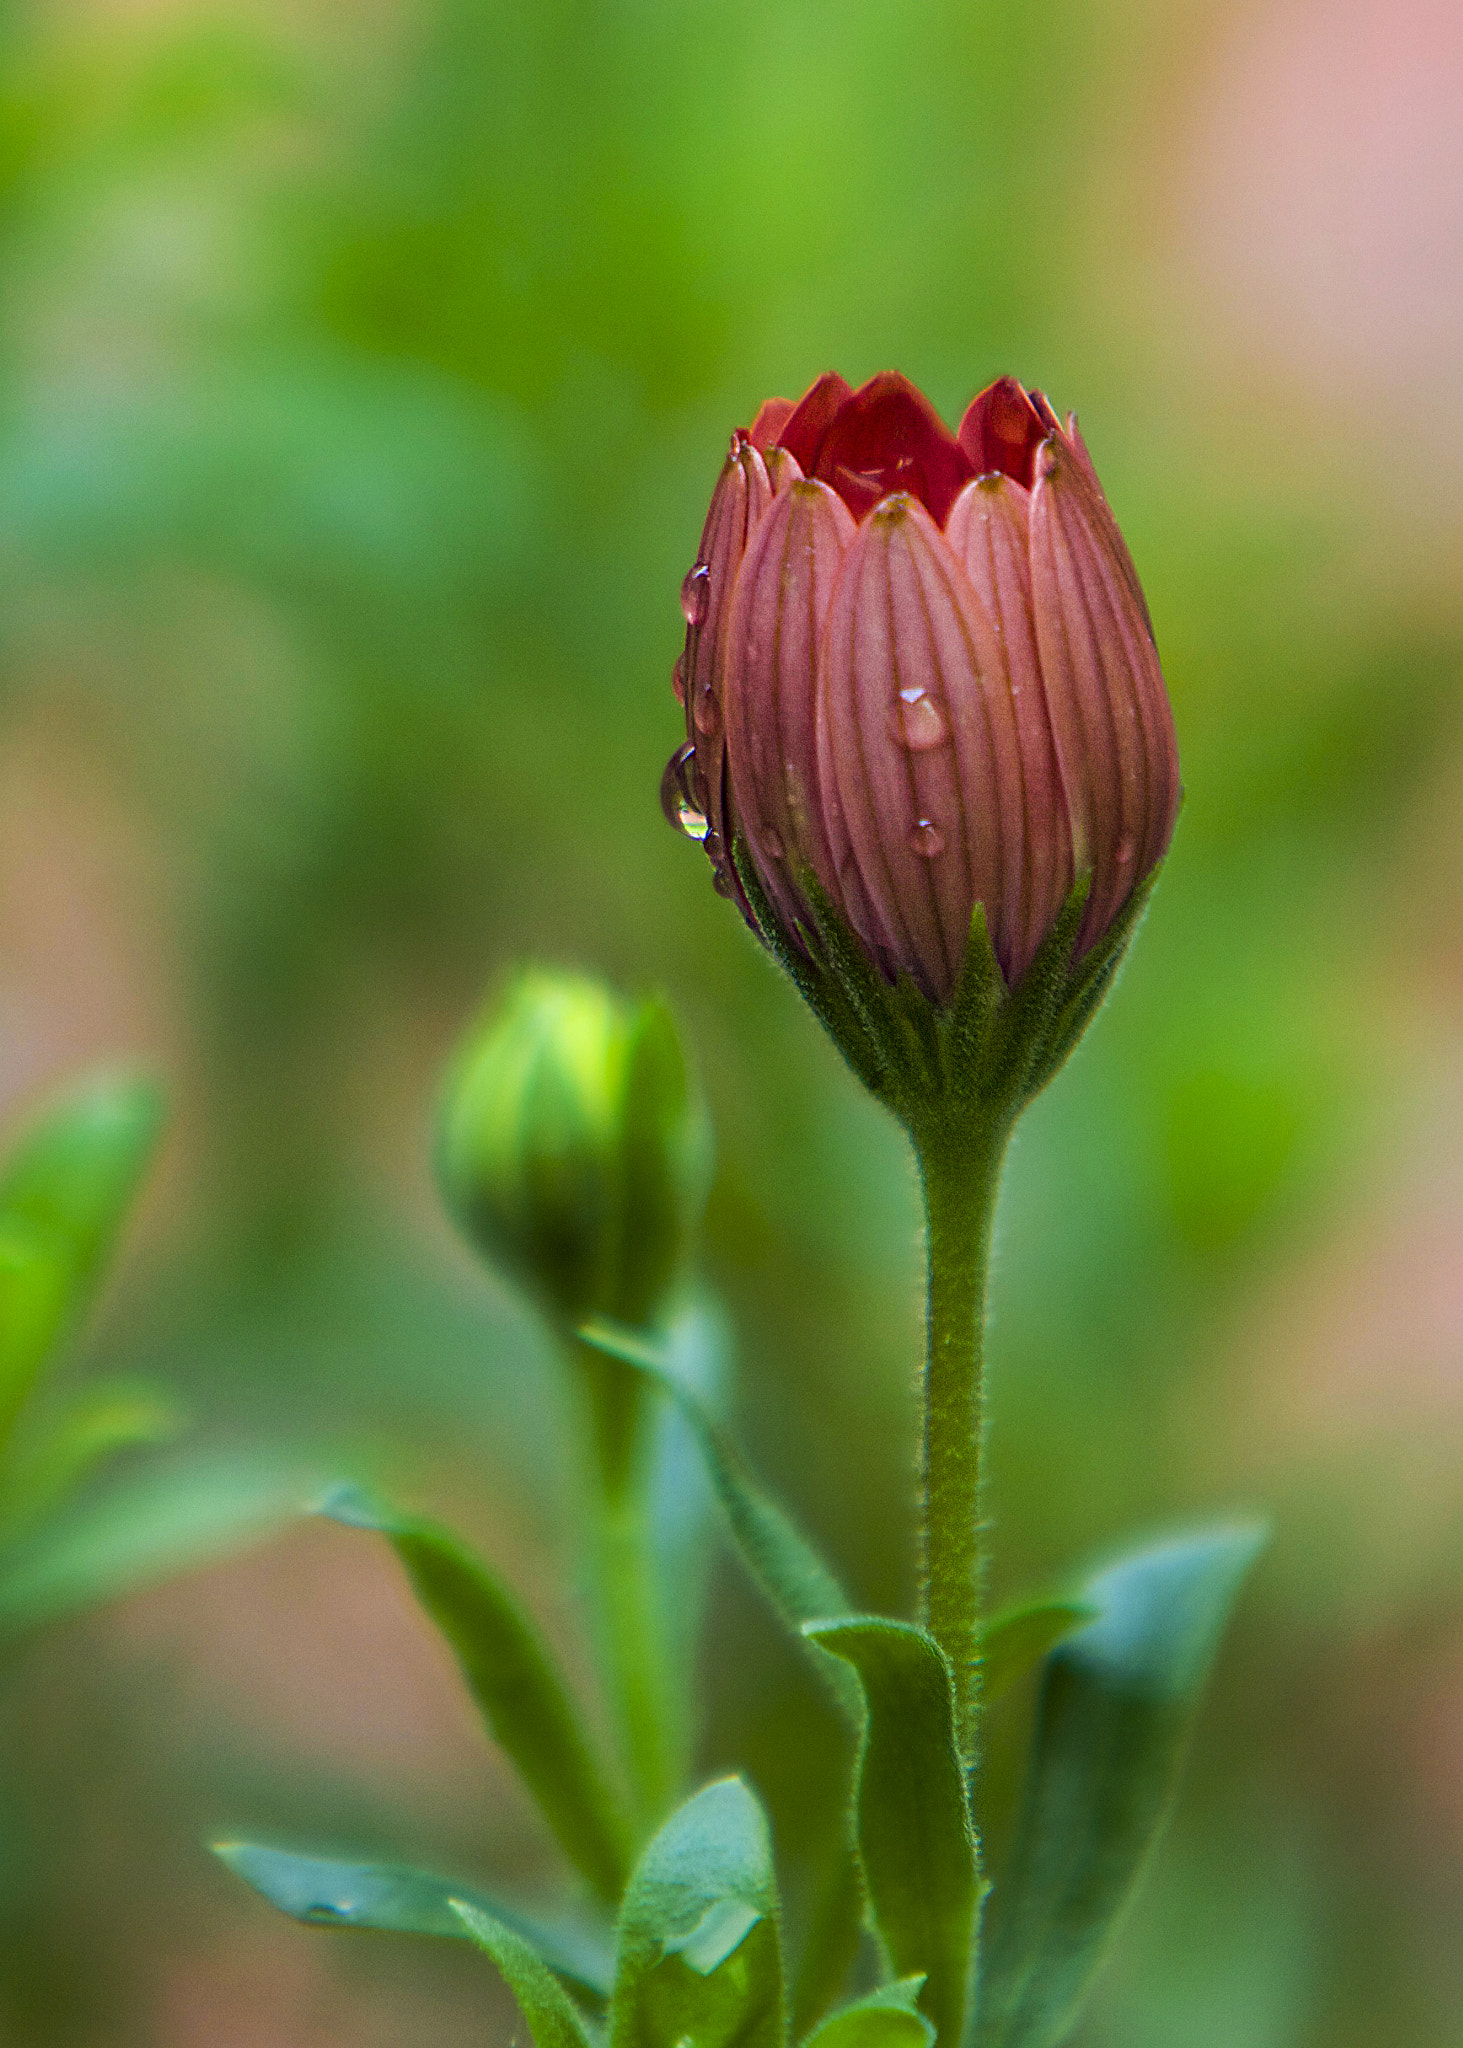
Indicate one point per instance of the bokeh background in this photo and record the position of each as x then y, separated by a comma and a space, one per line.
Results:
364, 371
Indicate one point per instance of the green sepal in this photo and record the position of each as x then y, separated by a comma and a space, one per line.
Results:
526, 1704
782, 1563
700, 1947
916, 1843
552, 2020
887, 2018
330, 1891
1116, 1705
977, 1060
1021, 1635
65, 1190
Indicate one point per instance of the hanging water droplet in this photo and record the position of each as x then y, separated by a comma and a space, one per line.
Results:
707, 713
696, 594
916, 721
722, 882
678, 679
712, 841
769, 842
1125, 850
927, 839
675, 793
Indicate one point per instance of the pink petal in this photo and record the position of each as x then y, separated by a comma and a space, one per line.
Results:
988, 532
1109, 709
918, 749
773, 415
888, 437
812, 416
1002, 430
782, 592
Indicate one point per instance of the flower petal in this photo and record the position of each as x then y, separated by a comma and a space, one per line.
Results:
773, 415
782, 592
812, 416
1002, 430
989, 534
918, 751
888, 437
1109, 709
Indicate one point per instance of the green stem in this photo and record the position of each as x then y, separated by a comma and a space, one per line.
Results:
961, 1169
632, 1635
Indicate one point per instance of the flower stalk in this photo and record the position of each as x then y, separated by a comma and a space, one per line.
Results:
960, 1168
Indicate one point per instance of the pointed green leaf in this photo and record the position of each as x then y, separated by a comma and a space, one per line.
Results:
700, 1952
782, 1563
328, 1891
1116, 1705
1020, 1636
106, 1417
525, 1702
552, 2020
64, 1192
887, 2018
163, 1519
914, 1832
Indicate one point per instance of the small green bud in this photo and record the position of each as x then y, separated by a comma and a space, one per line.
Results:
573, 1147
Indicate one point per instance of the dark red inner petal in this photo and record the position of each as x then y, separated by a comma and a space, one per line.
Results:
1002, 430
802, 432
773, 415
888, 437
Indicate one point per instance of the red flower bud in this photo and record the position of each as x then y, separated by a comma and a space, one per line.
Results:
919, 665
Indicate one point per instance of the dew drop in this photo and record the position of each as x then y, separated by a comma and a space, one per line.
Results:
1125, 850
722, 883
916, 721
707, 713
769, 842
675, 793
926, 839
678, 679
696, 595
712, 841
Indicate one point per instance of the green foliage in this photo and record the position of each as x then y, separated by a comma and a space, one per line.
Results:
700, 1948
779, 1559
888, 2018
1020, 1636
1116, 1705
915, 1839
525, 1702
330, 1892
551, 2017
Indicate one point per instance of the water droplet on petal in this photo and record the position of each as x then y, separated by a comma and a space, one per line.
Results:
678, 678
707, 713
675, 796
1125, 850
855, 898
712, 841
722, 882
696, 594
927, 839
769, 842
916, 721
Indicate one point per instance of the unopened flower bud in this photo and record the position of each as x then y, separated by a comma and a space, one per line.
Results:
572, 1147
927, 687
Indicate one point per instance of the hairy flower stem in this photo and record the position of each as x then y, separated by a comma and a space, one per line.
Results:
632, 1635
961, 1170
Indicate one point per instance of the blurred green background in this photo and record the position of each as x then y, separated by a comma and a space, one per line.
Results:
364, 372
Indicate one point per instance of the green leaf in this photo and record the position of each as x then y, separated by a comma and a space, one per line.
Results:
1116, 1705
700, 1952
64, 1192
915, 1838
35, 1292
102, 1419
526, 1704
152, 1523
1020, 1636
887, 2018
330, 1892
782, 1563
552, 2020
